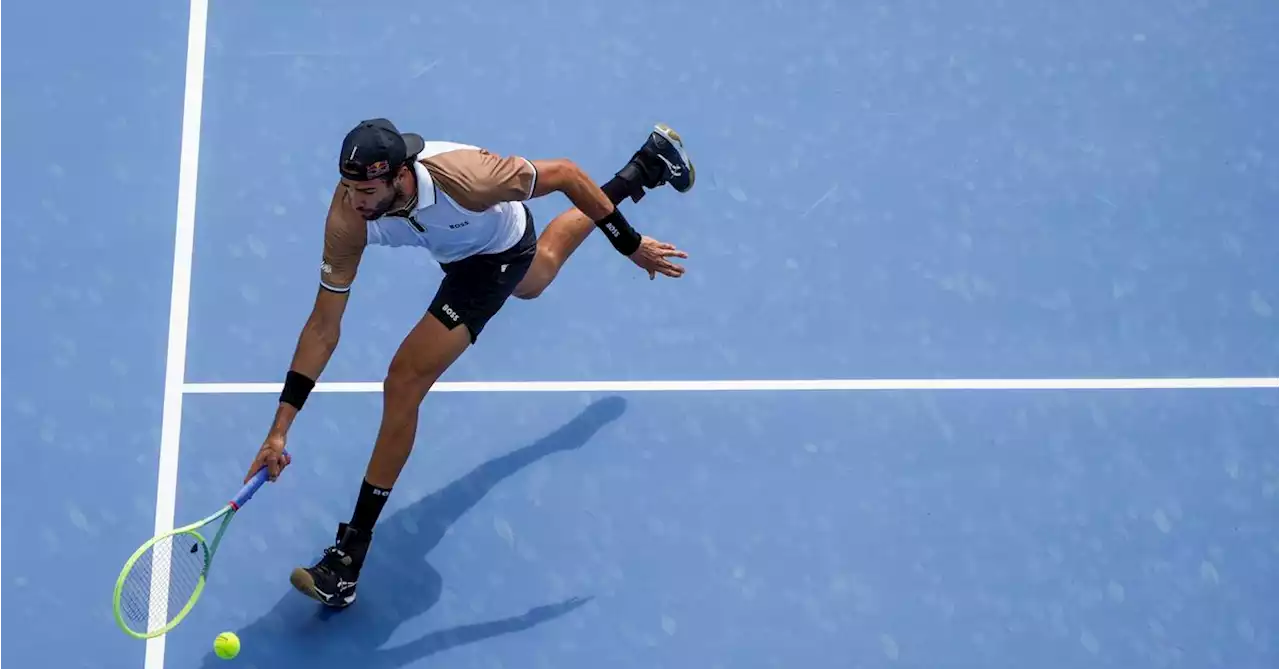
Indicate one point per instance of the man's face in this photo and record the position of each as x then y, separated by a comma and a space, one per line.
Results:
373, 198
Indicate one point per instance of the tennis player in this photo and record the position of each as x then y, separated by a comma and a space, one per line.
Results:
465, 206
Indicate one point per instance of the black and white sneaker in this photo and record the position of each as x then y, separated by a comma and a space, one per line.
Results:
661, 161
332, 580
665, 144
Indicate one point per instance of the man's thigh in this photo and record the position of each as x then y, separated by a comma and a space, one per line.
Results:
427, 351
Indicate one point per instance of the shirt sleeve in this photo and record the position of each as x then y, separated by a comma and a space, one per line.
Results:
344, 242
478, 179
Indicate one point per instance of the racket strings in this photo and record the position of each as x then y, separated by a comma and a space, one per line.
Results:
162, 582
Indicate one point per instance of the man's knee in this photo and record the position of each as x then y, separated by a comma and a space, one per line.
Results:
406, 386
528, 292
407, 382
544, 268
532, 286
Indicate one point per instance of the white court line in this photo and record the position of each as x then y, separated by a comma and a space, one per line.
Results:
179, 303
761, 385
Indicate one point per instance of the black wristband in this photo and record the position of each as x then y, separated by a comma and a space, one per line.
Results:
296, 389
620, 233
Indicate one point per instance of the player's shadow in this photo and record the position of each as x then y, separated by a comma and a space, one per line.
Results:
397, 584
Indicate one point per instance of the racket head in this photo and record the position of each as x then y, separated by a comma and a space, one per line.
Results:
161, 582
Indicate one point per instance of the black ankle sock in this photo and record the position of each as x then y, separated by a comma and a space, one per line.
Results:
618, 189
639, 173
643, 169
369, 506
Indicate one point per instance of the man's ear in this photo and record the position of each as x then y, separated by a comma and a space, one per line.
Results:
405, 174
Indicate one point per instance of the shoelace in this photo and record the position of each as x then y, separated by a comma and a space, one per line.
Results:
332, 555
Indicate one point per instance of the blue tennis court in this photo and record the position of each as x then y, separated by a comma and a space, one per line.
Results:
970, 196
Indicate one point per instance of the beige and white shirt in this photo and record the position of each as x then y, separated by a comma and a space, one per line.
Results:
469, 202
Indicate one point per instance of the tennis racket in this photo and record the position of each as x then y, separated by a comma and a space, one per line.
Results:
162, 580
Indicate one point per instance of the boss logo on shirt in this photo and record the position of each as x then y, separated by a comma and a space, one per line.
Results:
455, 226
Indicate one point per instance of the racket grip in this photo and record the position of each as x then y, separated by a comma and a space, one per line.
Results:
249, 489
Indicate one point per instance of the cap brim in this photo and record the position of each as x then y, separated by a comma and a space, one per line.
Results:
413, 144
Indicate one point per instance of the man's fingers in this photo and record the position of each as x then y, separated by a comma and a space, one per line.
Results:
670, 250
667, 248
653, 264
666, 267
253, 469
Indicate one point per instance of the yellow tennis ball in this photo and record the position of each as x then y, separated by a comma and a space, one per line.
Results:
227, 645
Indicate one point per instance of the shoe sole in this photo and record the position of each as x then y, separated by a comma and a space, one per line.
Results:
673, 137
302, 582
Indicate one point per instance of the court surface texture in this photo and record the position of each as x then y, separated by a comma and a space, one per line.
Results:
975, 363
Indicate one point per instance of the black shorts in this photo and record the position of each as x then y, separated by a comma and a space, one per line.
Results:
475, 288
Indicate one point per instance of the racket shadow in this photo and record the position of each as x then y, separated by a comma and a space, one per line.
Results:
398, 584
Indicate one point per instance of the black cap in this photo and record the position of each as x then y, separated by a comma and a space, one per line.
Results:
375, 148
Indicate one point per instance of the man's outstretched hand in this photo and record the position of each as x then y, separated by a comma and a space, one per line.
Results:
652, 257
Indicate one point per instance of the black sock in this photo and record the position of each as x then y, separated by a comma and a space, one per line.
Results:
619, 189
632, 180
369, 506
644, 170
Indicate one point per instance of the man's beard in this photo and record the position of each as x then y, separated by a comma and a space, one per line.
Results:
385, 206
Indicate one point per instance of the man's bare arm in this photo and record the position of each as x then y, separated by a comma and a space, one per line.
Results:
343, 247
316, 344
478, 179
564, 176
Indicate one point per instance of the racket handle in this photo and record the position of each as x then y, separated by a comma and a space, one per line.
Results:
249, 489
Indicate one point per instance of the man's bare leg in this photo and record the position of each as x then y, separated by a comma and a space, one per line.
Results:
562, 237
424, 355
